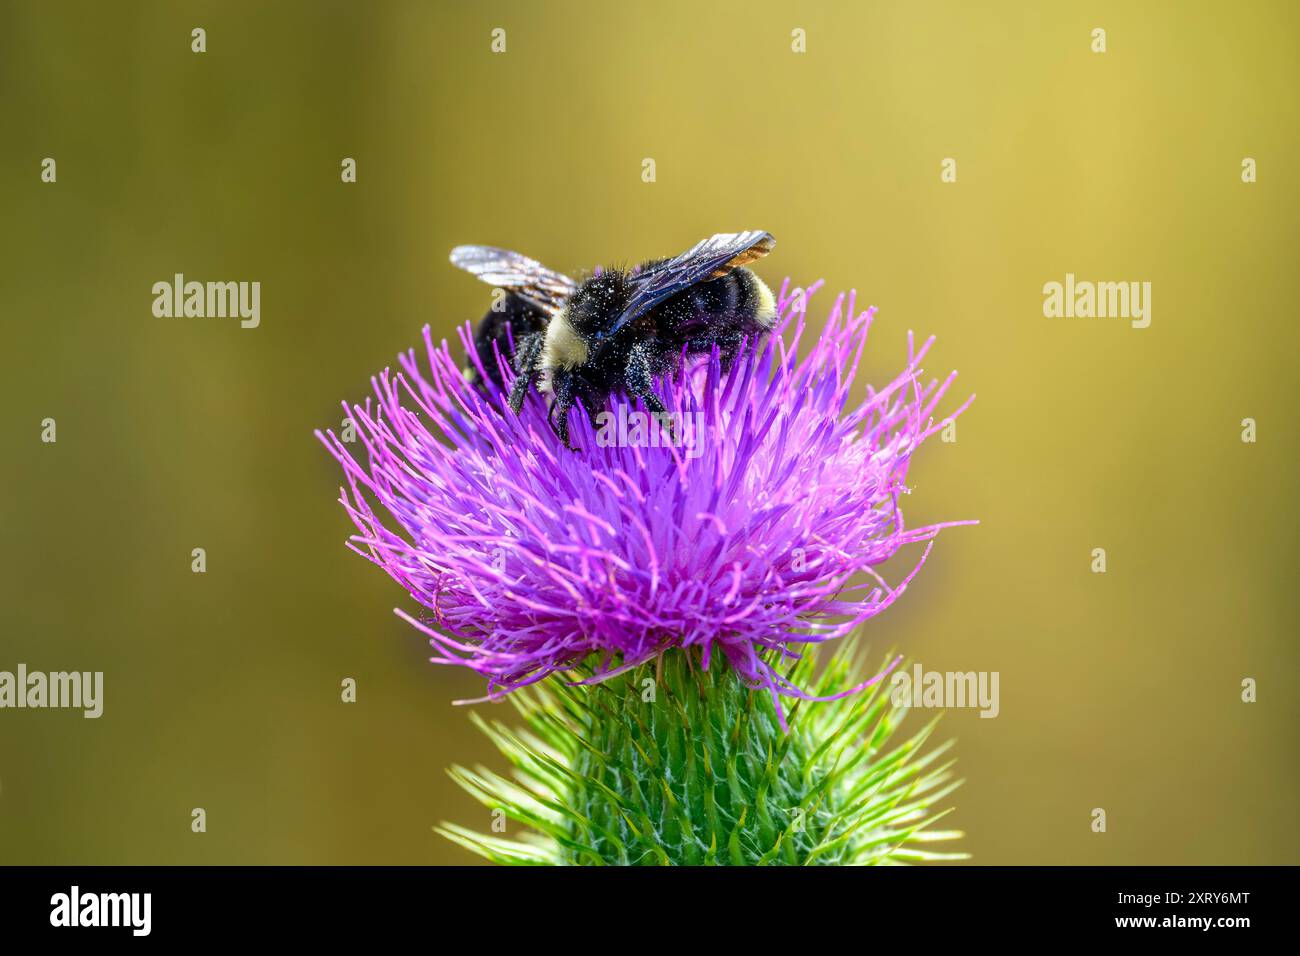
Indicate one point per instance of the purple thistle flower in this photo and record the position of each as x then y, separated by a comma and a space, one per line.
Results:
760, 535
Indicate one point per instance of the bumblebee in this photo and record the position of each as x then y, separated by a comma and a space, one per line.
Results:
619, 329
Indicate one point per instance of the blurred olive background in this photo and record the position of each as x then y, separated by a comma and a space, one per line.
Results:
1119, 691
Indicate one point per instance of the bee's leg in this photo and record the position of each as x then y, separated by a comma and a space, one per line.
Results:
562, 388
728, 345
637, 379
526, 352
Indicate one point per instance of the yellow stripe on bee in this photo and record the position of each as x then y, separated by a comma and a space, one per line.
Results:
766, 312
563, 347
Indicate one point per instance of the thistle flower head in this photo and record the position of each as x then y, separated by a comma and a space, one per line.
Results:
751, 527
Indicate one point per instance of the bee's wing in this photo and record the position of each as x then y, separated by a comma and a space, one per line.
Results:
711, 258
526, 277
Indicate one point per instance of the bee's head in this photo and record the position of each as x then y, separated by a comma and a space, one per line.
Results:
598, 302
575, 337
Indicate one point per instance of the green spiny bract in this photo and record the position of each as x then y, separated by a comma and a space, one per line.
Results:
670, 764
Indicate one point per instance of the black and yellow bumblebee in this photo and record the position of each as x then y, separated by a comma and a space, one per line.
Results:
619, 329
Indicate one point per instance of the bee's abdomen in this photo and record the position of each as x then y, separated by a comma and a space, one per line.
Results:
514, 319
738, 301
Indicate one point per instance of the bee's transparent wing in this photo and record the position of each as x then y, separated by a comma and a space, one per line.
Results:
711, 258
525, 277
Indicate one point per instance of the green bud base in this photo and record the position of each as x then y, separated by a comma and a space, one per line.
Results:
669, 764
